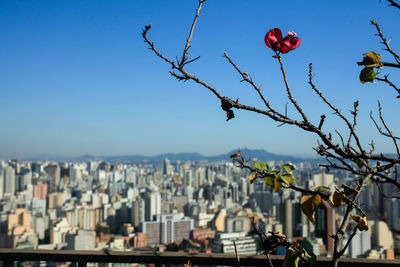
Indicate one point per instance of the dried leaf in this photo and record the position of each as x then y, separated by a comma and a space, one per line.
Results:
337, 198
306, 205
229, 115
371, 59
317, 200
349, 190
225, 105
252, 177
278, 185
362, 224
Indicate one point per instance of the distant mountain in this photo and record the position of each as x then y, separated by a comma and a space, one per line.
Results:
259, 154
43, 157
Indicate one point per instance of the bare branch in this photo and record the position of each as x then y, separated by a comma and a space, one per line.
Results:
349, 240
353, 126
386, 80
151, 44
289, 92
388, 131
236, 253
382, 64
321, 122
337, 111
187, 45
385, 41
393, 3
246, 77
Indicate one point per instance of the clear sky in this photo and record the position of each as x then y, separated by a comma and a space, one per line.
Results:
76, 77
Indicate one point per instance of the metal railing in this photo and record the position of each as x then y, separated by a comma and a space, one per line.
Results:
82, 257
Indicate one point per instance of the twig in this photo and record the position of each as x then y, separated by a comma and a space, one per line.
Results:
349, 240
386, 80
388, 131
289, 92
393, 3
382, 64
187, 45
269, 260
384, 41
237, 255
337, 111
246, 77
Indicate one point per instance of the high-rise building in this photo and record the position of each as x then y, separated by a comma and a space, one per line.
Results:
1, 181
54, 172
152, 205
199, 177
323, 179
56, 199
40, 190
287, 217
166, 167
325, 224
9, 180
167, 229
137, 212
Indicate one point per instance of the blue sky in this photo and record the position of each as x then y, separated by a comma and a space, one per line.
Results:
76, 77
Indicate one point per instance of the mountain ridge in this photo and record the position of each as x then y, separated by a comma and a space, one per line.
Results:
259, 154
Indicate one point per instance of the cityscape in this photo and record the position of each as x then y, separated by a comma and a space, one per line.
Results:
119, 119
178, 205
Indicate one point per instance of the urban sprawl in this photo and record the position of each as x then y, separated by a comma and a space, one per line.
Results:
178, 206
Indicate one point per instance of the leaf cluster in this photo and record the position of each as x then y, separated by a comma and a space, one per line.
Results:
274, 179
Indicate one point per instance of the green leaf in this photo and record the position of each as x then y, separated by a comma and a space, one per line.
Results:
289, 167
321, 188
291, 259
287, 178
270, 182
359, 162
260, 165
371, 59
367, 75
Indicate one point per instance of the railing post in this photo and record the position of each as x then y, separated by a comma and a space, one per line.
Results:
8, 263
81, 263
158, 264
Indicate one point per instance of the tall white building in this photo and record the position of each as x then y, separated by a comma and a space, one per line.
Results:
9, 180
152, 205
323, 179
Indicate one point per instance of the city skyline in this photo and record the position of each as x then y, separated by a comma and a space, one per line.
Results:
78, 79
179, 206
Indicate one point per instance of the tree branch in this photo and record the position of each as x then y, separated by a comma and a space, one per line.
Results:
385, 41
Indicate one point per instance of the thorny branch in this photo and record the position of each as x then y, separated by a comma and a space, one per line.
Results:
388, 132
385, 41
340, 155
388, 82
